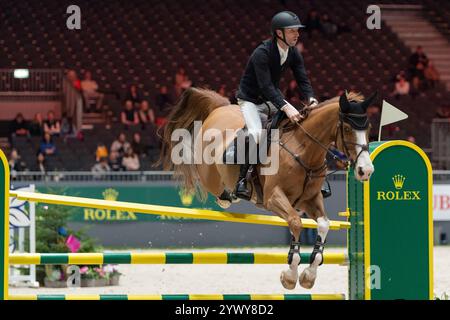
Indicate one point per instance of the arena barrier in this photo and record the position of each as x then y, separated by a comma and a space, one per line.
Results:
167, 258
180, 297
390, 242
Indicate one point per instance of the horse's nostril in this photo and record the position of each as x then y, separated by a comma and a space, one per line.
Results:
360, 171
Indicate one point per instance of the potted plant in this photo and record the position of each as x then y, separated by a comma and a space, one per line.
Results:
93, 276
114, 274
51, 234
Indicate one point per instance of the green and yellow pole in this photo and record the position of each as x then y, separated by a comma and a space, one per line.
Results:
4, 227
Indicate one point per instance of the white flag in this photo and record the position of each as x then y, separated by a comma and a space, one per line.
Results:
390, 114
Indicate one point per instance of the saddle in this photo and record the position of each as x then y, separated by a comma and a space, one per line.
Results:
230, 155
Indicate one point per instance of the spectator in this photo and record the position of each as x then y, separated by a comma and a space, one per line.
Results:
130, 160
401, 88
313, 23
101, 152
51, 125
329, 28
128, 116
418, 57
47, 146
292, 94
37, 126
41, 164
120, 144
114, 162
72, 77
15, 163
90, 92
431, 75
163, 102
418, 77
138, 146
133, 95
146, 116
101, 166
19, 127
182, 81
68, 128
411, 139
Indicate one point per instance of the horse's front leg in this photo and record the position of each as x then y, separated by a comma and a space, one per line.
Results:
279, 203
315, 209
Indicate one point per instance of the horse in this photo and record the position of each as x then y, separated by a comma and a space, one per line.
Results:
296, 187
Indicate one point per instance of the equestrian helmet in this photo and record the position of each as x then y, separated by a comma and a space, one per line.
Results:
285, 19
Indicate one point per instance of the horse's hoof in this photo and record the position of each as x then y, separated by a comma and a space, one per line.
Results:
287, 280
224, 204
307, 278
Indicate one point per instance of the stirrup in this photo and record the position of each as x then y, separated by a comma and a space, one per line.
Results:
242, 190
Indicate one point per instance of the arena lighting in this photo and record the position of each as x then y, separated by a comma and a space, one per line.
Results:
21, 73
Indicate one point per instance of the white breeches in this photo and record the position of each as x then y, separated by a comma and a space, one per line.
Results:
253, 114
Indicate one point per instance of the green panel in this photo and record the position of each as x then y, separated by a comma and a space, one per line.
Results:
175, 297
113, 297
297, 297
240, 258
57, 258
179, 258
118, 258
237, 297
399, 224
51, 297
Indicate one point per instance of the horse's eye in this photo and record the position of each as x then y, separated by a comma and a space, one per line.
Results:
347, 129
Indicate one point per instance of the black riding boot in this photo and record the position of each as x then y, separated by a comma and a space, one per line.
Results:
241, 186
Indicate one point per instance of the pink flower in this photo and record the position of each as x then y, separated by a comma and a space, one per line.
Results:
84, 269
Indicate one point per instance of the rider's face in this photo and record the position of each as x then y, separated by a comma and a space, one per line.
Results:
291, 34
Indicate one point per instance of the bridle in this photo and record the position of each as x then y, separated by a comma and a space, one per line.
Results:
354, 120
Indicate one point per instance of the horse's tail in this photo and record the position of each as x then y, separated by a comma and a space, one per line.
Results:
194, 105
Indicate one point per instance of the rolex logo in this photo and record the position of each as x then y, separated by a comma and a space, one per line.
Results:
397, 195
398, 180
186, 197
110, 194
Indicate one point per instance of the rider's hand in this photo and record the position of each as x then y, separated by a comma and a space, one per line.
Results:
291, 112
313, 102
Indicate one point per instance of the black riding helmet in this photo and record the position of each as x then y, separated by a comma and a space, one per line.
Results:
283, 20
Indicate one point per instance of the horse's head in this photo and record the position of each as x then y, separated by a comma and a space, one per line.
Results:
353, 134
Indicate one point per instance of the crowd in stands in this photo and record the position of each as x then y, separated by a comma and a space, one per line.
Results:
419, 76
140, 115
317, 23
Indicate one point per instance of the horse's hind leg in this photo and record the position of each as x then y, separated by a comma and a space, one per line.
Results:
316, 210
279, 203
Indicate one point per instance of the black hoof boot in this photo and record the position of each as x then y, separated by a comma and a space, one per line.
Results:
326, 189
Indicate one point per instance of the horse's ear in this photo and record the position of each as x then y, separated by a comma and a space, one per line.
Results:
344, 105
369, 101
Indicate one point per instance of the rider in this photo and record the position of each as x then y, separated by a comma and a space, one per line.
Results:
259, 86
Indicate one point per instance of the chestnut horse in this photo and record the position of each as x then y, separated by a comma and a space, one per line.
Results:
302, 148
